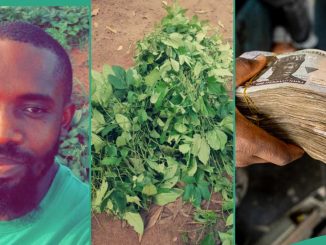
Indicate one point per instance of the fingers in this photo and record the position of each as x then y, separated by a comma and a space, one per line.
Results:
243, 160
255, 145
246, 69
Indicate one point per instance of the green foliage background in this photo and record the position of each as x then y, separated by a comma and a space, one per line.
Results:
68, 25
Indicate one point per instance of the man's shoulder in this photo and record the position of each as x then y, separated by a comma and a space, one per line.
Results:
70, 188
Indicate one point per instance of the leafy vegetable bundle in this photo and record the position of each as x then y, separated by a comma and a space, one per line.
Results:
163, 129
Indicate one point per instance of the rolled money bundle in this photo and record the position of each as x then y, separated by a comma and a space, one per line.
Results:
288, 99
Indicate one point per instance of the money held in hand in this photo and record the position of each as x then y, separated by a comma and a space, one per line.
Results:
288, 99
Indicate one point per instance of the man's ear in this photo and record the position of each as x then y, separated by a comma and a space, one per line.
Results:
67, 116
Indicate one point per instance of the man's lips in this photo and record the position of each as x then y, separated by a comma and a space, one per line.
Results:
9, 167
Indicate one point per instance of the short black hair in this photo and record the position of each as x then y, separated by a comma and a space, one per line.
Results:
27, 33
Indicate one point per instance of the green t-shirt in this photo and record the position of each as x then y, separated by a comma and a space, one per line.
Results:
63, 216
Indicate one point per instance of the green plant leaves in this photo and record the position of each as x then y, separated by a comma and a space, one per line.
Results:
175, 65
200, 148
216, 139
204, 152
135, 220
185, 148
123, 122
152, 77
165, 198
168, 121
149, 190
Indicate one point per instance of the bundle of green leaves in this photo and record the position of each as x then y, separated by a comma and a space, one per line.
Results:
163, 129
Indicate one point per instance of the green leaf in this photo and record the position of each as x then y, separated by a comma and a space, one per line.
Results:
229, 220
204, 191
111, 161
154, 98
119, 201
99, 194
121, 141
192, 168
175, 65
160, 122
142, 115
162, 199
185, 148
130, 77
149, 190
227, 205
107, 70
170, 171
97, 77
119, 72
98, 121
123, 122
134, 199
170, 183
197, 197
214, 87
196, 144
170, 43
117, 83
225, 238
154, 134
204, 152
152, 77
216, 139
188, 192
197, 69
227, 123
137, 164
176, 38
181, 128
135, 220
111, 150
157, 167
208, 239
97, 142
185, 59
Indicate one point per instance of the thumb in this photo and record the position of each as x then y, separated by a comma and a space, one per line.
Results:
246, 68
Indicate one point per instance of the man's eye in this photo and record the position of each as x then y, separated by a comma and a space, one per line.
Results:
34, 110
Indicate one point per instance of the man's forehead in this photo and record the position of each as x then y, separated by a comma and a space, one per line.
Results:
25, 68
20, 51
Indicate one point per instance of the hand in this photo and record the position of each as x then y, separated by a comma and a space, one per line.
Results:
253, 144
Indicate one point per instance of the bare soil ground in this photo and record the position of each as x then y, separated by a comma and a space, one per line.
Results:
117, 26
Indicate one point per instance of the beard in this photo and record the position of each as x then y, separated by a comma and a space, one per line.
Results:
22, 195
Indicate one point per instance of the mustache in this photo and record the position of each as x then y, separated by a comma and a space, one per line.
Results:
13, 152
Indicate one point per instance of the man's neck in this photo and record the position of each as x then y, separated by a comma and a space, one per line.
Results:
42, 188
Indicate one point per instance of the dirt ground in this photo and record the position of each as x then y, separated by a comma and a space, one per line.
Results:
117, 25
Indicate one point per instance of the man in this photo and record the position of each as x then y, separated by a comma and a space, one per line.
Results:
284, 68
253, 144
41, 202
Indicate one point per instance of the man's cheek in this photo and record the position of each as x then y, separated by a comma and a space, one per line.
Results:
42, 143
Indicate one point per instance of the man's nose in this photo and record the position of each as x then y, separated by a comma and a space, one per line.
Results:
9, 131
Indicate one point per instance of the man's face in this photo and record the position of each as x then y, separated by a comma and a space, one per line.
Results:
32, 113
289, 68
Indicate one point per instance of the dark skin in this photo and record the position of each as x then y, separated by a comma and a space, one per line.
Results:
33, 114
253, 144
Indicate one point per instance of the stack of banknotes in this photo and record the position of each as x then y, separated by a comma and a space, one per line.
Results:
288, 99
